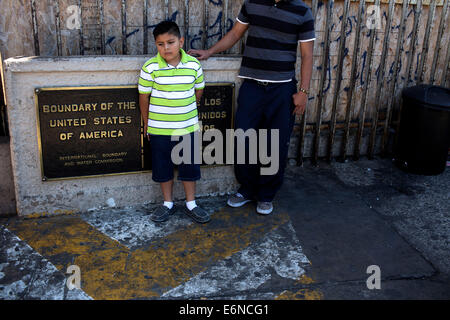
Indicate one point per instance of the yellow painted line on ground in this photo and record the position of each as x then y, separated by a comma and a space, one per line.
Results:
62, 239
304, 279
110, 270
302, 294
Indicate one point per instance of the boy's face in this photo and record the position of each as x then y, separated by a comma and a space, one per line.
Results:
169, 46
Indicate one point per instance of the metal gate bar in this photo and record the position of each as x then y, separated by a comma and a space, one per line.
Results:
350, 100
337, 89
362, 114
380, 80
426, 43
438, 48
394, 79
323, 77
301, 144
35, 28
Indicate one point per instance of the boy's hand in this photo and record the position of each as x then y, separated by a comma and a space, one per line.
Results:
300, 100
200, 54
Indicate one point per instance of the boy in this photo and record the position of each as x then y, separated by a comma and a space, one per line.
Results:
170, 87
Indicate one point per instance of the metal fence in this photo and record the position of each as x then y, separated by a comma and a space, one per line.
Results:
365, 53
371, 101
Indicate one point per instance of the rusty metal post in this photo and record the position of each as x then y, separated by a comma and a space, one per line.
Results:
380, 79
337, 90
438, 46
354, 70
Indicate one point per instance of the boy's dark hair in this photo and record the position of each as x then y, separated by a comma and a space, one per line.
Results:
167, 27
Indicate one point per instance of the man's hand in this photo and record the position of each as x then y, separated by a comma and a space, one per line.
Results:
229, 40
300, 100
200, 54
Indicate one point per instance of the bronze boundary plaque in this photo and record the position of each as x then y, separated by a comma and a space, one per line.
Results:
88, 131
97, 131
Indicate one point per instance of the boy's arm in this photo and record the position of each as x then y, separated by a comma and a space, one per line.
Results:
143, 105
198, 95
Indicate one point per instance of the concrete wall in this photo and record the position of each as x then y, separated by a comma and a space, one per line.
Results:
35, 197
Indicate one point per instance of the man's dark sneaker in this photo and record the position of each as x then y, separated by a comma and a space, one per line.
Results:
237, 200
162, 213
198, 214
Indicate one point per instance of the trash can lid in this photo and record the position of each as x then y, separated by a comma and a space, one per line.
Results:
431, 96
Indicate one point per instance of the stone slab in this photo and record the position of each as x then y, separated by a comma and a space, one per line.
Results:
7, 196
37, 198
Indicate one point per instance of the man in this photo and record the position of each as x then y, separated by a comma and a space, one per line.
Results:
268, 97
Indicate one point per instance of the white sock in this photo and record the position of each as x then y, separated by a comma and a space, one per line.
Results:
168, 204
191, 204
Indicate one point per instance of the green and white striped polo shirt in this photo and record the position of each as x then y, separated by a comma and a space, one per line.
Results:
173, 104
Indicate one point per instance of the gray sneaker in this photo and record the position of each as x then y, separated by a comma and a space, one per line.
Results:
198, 214
162, 213
237, 200
264, 207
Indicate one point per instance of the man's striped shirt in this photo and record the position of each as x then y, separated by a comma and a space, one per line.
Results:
173, 103
274, 32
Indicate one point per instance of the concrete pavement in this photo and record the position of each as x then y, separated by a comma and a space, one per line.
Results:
330, 224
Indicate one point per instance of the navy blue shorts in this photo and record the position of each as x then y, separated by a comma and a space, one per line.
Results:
162, 165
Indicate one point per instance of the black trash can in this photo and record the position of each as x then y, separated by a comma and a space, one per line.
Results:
424, 136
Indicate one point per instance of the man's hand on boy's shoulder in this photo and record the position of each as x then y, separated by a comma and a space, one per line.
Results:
200, 54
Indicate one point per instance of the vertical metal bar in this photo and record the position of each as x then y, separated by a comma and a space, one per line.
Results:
380, 79
426, 41
35, 28
58, 28
124, 27
412, 45
301, 145
354, 70
102, 26
438, 47
224, 19
80, 31
225, 16
3, 116
411, 54
362, 113
166, 9
338, 79
445, 67
205, 24
186, 25
323, 78
393, 88
314, 6
145, 23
